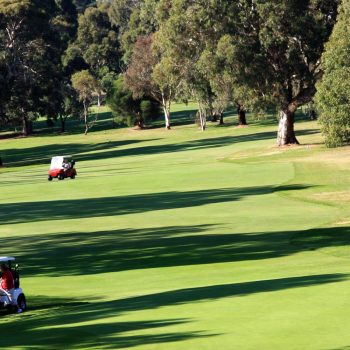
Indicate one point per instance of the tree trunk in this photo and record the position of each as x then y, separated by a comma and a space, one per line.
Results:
27, 126
203, 119
286, 133
313, 115
242, 120
221, 118
86, 122
166, 104
167, 117
63, 124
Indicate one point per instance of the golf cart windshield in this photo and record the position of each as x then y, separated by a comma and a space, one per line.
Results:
56, 162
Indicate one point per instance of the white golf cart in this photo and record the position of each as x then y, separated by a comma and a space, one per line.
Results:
18, 298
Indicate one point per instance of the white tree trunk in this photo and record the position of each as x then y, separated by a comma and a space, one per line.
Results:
167, 118
282, 129
166, 108
202, 119
286, 134
86, 121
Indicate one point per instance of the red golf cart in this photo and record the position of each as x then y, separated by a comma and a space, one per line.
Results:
61, 168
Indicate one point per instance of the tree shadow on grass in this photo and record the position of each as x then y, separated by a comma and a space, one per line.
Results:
57, 328
35, 331
43, 154
88, 253
12, 213
107, 150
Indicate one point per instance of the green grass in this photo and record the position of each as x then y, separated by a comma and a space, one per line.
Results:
179, 240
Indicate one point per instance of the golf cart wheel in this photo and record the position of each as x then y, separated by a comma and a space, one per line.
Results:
21, 302
60, 177
49, 178
72, 177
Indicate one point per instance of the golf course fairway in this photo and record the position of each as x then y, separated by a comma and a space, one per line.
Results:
180, 239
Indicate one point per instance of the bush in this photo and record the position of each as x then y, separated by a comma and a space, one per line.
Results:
128, 110
333, 92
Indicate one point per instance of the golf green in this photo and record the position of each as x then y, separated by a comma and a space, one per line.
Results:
179, 239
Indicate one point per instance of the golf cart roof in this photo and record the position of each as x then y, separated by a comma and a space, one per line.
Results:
63, 157
56, 162
6, 259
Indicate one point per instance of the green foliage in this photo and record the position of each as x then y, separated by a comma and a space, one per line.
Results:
30, 50
120, 12
81, 5
124, 107
85, 85
143, 21
130, 110
66, 21
96, 45
149, 110
333, 92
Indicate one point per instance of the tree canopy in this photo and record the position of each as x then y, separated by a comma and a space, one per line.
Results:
252, 55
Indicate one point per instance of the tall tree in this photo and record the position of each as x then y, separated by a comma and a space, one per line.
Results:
97, 44
188, 36
29, 54
279, 58
143, 21
64, 99
146, 77
333, 92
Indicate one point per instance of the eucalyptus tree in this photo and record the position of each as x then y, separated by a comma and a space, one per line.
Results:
188, 36
29, 55
277, 50
97, 45
133, 18
146, 77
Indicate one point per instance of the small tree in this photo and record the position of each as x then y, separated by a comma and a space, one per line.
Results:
85, 85
333, 92
70, 106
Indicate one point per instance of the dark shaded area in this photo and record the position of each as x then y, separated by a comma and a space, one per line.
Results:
36, 332
43, 154
189, 295
121, 250
7, 136
11, 213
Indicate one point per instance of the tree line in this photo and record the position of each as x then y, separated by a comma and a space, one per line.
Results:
60, 56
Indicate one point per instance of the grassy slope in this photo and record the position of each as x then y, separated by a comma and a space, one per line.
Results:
179, 240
